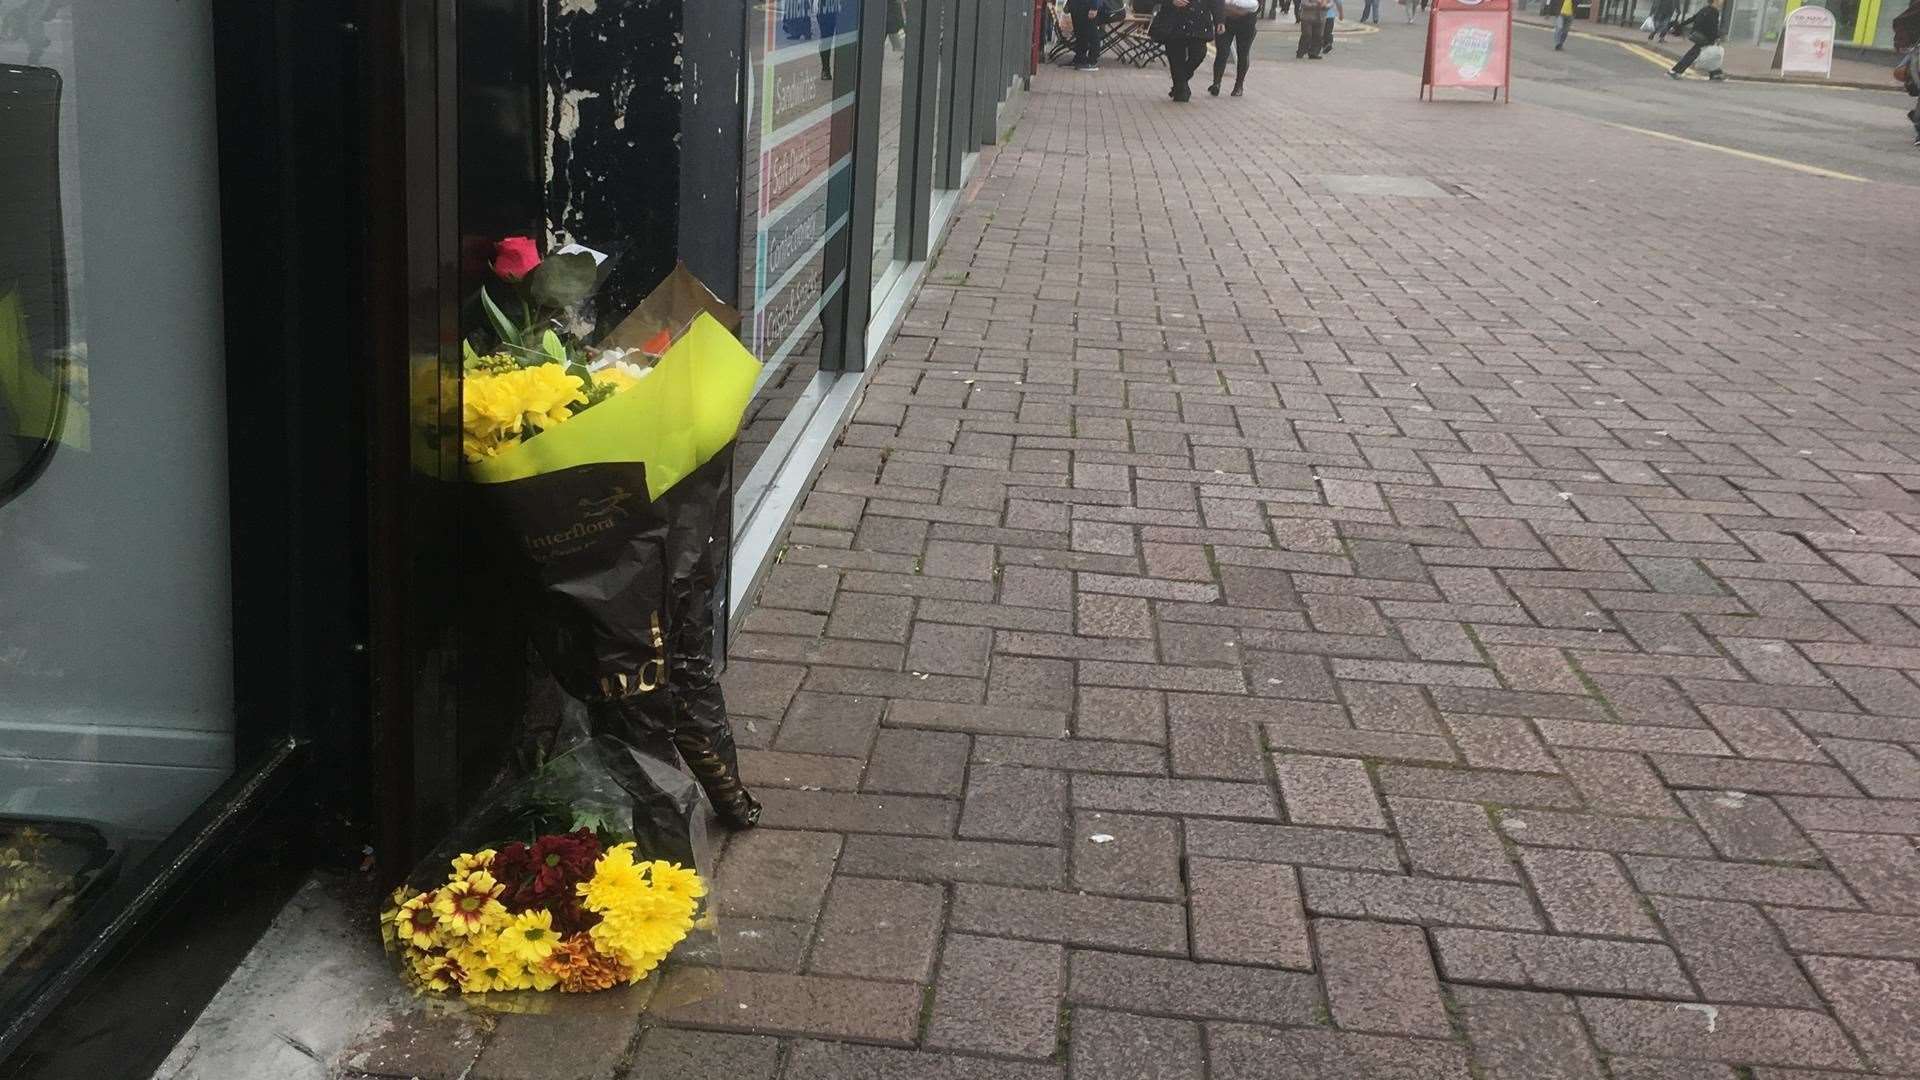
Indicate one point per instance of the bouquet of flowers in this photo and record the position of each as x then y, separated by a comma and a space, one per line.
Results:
560, 912
608, 465
611, 466
579, 878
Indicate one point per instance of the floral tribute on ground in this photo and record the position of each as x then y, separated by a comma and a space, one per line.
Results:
560, 913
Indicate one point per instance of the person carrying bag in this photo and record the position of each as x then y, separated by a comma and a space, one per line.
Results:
1906, 42
1703, 29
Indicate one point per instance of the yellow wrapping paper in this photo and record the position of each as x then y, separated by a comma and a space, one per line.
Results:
672, 421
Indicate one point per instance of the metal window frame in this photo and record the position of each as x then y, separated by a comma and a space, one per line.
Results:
917, 144
956, 127
869, 103
990, 28
983, 46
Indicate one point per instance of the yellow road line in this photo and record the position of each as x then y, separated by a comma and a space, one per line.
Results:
1641, 51
1651, 57
1796, 166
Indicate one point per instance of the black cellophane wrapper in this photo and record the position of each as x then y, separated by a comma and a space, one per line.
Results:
621, 605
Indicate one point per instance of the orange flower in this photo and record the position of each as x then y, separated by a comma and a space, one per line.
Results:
582, 969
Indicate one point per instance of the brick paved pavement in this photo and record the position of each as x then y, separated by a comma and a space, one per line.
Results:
1251, 632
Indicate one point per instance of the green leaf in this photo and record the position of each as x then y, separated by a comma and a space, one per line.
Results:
563, 280
550, 344
509, 333
469, 360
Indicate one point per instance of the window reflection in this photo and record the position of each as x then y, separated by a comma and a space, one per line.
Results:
116, 671
803, 58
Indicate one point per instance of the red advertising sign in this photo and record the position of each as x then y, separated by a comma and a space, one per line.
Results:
1469, 43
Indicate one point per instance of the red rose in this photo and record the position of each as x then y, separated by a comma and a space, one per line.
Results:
515, 257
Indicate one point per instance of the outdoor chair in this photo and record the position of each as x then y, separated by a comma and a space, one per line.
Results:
1063, 43
1128, 40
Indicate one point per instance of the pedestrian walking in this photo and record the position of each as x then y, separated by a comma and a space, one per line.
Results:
1312, 15
1088, 33
1370, 11
1413, 8
1184, 27
1334, 14
1562, 23
1908, 73
1661, 18
1703, 29
1906, 43
1240, 20
897, 24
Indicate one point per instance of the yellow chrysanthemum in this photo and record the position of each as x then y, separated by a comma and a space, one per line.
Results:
471, 906
530, 936
489, 965
439, 972
390, 917
416, 923
497, 407
616, 881
620, 375
677, 879
540, 977
467, 864
640, 944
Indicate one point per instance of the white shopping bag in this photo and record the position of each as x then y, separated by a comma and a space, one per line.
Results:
1648, 24
1711, 59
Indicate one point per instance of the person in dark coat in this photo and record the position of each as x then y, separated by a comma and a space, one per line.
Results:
1312, 15
1237, 40
897, 24
1662, 17
1906, 43
1089, 33
1702, 29
1185, 27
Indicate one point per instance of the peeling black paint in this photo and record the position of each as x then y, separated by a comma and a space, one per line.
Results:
613, 108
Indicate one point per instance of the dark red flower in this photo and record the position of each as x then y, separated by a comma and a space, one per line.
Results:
570, 916
562, 861
513, 868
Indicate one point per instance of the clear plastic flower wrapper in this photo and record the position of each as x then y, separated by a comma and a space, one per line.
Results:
583, 876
